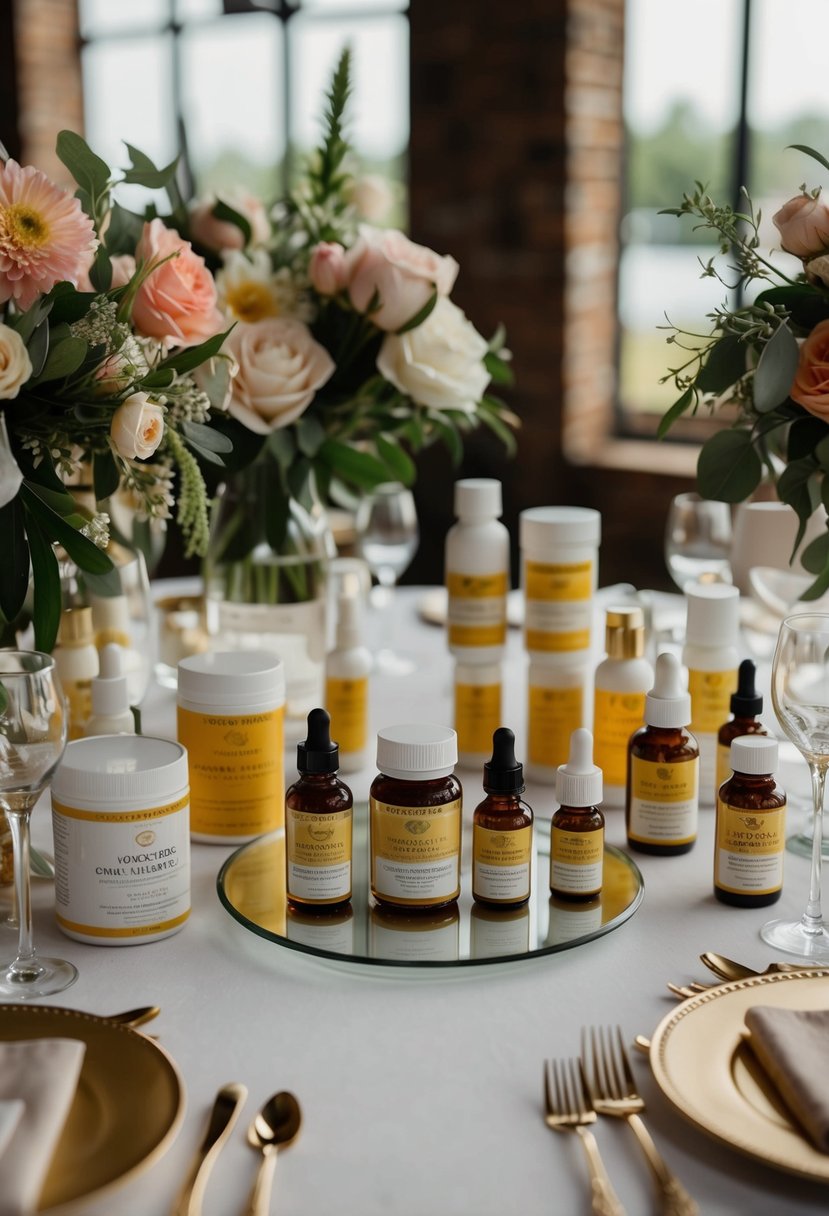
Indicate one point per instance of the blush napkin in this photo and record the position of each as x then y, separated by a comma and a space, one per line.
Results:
43, 1074
793, 1047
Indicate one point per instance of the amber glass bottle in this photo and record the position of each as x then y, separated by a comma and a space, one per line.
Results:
746, 705
502, 830
750, 838
577, 830
318, 822
662, 803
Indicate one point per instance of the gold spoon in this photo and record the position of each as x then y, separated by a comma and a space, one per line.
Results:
135, 1017
275, 1126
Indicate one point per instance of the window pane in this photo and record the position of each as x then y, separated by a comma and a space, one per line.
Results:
187, 10
354, 6
233, 102
109, 16
682, 73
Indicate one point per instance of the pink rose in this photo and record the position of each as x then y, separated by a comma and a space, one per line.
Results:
281, 367
327, 268
811, 382
803, 224
218, 234
176, 303
386, 263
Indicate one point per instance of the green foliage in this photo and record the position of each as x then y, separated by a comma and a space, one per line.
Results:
775, 370
729, 469
325, 173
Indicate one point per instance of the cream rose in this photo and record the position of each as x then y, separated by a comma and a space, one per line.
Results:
15, 364
137, 427
384, 263
176, 303
219, 234
440, 363
372, 197
281, 367
803, 224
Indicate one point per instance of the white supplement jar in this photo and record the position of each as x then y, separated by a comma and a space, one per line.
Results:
121, 823
559, 564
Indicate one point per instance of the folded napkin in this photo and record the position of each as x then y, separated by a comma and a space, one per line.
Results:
10, 1113
793, 1047
43, 1074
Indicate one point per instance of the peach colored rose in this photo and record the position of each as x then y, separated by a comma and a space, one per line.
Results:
372, 197
327, 268
386, 263
123, 269
219, 234
176, 303
137, 427
15, 364
803, 224
281, 367
810, 387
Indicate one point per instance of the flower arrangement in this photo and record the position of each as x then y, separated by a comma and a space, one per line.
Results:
767, 360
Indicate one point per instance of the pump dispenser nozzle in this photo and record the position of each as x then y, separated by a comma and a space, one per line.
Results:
503, 774
317, 753
348, 622
109, 688
668, 704
746, 702
579, 781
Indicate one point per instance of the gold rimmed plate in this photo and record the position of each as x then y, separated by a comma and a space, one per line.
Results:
704, 1066
127, 1109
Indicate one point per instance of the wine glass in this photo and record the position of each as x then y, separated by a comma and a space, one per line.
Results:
387, 538
800, 693
698, 540
32, 739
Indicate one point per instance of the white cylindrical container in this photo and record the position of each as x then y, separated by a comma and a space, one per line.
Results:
477, 573
120, 816
558, 702
621, 683
347, 687
76, 660
559, 570
477, 711
111, 713
231, 710
711, 638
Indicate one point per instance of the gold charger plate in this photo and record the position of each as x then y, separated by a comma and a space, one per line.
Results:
705, 1068
127, 1109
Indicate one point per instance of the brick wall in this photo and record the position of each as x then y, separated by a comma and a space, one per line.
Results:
48, 79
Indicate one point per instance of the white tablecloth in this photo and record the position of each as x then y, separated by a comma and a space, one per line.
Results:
421, 1094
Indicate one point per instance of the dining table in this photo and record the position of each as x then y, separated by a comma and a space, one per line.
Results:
421, 1088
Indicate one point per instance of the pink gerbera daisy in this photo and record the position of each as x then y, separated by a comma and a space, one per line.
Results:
44, 235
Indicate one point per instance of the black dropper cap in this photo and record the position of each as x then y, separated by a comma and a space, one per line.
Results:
746, 702
317, 754
503, 774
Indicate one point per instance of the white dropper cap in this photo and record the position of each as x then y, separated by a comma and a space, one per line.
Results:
579, 781
668, 703
755, 755
478, 498
713, 614
349, 633
109, 688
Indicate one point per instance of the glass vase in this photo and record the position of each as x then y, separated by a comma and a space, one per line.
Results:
261, 595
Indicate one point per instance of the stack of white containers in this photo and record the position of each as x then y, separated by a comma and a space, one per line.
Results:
477, 582
559, 569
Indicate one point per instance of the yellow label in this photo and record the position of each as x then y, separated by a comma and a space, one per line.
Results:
724, 769
616, 716
347, 702
576, 861
477, 715
664, 801
554, 713
710, 699
476, 586
318, 851
415, 852
557, 642
750, 846
78, 695
237, 777
133, 931
501, 864
477, 612
156, 812
566, 581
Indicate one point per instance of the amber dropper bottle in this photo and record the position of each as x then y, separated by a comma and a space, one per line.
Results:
318, 822
577, 830
502, 830
746, 706
750, 839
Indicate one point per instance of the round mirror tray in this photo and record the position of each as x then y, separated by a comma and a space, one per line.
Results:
251, 886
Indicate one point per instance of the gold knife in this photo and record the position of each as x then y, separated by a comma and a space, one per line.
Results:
226, 1109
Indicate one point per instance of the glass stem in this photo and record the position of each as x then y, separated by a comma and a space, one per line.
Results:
19, 824
812, 920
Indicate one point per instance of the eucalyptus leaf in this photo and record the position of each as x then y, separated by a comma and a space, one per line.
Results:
69, 304
89, 171
816, 554
310, 434
38, 348
159, 378
206, 437
400, 463
144, 172
806, 305
352, 464
676, 411
106, 476
797, 486
64, 358
123, 231
811, 152
26, 323
775, 370
189, 359
100, 274
804, 436
246, 444
728, 469
724, 365
15, 579
46, 601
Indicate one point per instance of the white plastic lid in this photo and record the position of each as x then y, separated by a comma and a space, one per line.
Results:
668, 703
478, 497
418, 750
116, 771
232, 677
579, 781
349, 633
480, 674
755, 755
554, 526
110, 696
713, 614
111, 612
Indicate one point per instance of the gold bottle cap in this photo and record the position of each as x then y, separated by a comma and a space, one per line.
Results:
625, 633
75, 627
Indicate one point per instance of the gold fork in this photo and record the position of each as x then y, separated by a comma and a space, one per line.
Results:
612, 1089
568, 1109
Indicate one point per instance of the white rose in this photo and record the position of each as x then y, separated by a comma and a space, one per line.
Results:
137, 427
439, 364
281, 367
372, 198
15, 364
